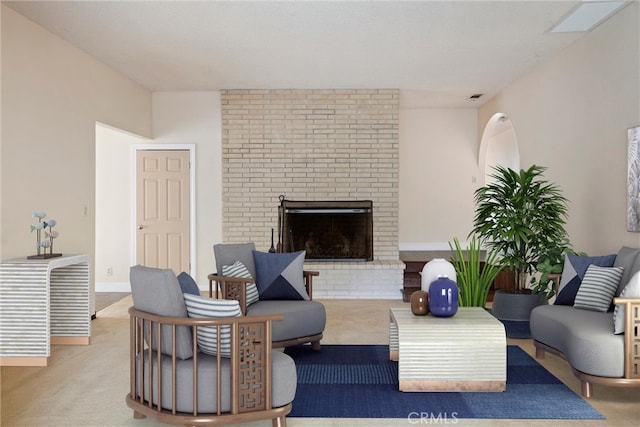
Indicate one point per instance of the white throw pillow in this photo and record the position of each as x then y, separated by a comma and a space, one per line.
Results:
199, 307
632, 290
238, 269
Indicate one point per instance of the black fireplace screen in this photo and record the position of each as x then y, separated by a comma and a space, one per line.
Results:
327, 230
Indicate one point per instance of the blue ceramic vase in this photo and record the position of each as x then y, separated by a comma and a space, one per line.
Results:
443, 297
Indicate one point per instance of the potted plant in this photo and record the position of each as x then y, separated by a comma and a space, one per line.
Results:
522, 216
473, 278
549, 269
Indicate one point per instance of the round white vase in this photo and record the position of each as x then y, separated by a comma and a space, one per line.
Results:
437, 267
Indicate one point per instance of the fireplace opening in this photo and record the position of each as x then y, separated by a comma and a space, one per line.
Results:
327, 230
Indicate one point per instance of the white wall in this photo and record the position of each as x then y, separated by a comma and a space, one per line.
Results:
113, 207
195, 118
571, 114
52, 96
182, 118
438, 171
178, 118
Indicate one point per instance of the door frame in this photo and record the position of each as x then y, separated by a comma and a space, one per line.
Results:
191, 148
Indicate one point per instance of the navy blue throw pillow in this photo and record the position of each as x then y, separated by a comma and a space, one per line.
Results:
187, 284
575, 267
279, 275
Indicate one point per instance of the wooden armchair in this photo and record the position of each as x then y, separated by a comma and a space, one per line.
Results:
193, 391
235, 287
173, 380
304, 320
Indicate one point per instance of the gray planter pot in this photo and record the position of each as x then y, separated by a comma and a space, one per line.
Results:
514, 306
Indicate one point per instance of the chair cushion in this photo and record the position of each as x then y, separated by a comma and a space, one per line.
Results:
585, 337
228, 253
157, 291
187, 284
283, 382
279, 276
575, 266
238, 269
598, 287
301, 318
202, 307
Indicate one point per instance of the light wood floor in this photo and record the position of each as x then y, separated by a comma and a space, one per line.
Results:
86, 385
105, 299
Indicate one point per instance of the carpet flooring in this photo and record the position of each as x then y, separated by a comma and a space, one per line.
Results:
359, 381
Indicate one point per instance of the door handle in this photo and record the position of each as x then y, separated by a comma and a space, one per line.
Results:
140, 227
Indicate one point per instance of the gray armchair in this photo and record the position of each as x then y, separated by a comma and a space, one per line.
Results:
247, 382
303, 320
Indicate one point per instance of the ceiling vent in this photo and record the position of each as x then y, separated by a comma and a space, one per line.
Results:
476, 96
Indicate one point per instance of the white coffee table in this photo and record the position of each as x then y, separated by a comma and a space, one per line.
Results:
466, 352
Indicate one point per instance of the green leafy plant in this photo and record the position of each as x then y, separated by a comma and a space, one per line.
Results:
473, 278
521, 216
550, 268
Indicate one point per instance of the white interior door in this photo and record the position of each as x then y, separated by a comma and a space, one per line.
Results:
162, 209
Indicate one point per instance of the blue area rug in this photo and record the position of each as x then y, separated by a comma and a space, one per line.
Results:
518, 329
359, 381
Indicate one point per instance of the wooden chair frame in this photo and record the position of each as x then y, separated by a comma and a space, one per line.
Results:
235, 288
631, 376
250, 339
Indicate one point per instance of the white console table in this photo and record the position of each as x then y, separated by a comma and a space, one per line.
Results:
43, 302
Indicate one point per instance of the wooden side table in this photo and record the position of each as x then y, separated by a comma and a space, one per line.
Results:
466, 352
43, 302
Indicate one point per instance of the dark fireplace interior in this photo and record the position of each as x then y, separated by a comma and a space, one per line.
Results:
327, 230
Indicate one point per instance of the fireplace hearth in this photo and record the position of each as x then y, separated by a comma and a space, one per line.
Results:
327, 230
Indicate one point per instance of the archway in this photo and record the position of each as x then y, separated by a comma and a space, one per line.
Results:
498, 146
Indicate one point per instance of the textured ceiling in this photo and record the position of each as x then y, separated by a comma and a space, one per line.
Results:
439, 52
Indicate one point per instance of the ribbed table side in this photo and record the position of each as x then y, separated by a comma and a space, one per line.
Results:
40, 299
393, 337
24, 310
70, 301
471, 346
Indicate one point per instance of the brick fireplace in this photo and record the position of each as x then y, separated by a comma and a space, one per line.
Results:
315, 145
328, 230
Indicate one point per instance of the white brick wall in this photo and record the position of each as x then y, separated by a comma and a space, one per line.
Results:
312, 145
363, 280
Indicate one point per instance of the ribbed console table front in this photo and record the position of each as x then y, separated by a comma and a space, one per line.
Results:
466, 352
43, 302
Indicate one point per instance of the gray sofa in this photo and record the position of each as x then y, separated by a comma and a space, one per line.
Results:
586, 339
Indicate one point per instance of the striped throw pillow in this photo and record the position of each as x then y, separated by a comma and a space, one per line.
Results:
598, 287
199, 307
238, 269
